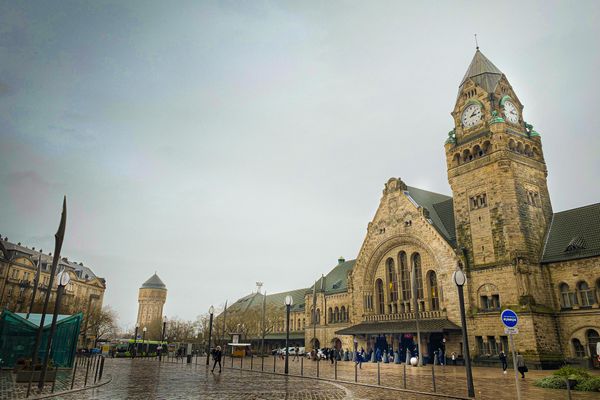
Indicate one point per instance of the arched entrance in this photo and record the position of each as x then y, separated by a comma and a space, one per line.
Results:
336, 343
315, 344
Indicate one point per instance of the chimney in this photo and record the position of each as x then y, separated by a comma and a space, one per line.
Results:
341, 260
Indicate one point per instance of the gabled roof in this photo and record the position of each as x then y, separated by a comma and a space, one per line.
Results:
573, 234
275, 299
441, 211
336, 281
483, 72
154, 282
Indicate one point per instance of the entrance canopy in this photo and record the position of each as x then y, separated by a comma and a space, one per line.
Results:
425, 325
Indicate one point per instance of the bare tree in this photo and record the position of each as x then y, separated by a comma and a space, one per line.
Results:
102, 324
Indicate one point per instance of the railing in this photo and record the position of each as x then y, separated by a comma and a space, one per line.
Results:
406, 316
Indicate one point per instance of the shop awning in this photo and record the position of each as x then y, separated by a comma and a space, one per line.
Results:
408, 326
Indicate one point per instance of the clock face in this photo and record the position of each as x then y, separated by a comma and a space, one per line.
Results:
472, 116
510, 112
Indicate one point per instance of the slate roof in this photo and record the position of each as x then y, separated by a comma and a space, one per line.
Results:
336, 281
573, 234
17, 250
154, 282
441, 211
483, 72
403, 326
277, 299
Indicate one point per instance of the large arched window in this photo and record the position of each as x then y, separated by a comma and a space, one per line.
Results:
330, 315
416, 259
586, 294
593, 338
343, 316
567, 298
392, 279
578, 348
379, 291
405, 276
433, 290
336, 315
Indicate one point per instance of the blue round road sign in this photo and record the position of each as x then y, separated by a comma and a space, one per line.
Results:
509, 318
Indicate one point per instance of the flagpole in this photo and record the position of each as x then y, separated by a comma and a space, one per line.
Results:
224, 318
264, 305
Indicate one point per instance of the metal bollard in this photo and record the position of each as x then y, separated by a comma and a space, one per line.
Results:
232, 361
433, 376
101, 369
302, 366
251, 362
262, 363
335, 369
378, 374
242, 362
274, 361
74, 371
87, 371
318, 362
355, 372
96, 370
404, 375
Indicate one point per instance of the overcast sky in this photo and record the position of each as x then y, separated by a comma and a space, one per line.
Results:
223, 143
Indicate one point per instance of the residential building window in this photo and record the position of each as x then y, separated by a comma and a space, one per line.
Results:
492, 345
593, 338
578, 348
567, 298
405, 276
343, 314
478, 201
586, 294
330, 315
418, 276
380, 300
480, 345
392, 279
433, 290
15, 274
336, 315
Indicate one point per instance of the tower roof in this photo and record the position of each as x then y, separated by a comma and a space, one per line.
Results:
483, 72
154, 282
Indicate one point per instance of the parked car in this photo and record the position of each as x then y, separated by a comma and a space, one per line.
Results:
320, 354
301, 351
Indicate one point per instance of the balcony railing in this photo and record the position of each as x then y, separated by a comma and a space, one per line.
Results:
406, 316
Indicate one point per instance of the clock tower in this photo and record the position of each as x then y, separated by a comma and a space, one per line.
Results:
497, 173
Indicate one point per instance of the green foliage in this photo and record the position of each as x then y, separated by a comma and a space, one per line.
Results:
551, 382
568, 371
591, 384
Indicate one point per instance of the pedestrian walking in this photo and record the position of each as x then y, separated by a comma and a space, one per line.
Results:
521, 366
296, 356
217, 355
360, 357
502, 357
453, 358
332, 355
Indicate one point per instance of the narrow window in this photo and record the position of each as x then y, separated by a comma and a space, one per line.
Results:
405, 275
380, 300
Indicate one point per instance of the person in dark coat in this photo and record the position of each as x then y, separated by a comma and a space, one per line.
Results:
521, 366
217, 354
502, 357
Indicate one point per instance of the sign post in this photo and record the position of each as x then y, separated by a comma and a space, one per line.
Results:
510, 320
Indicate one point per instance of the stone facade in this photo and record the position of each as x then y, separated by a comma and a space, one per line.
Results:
498, 227
151, 300
18, 263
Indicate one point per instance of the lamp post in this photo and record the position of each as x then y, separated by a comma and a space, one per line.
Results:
135, 342
162, 338
211, 311
144, 337
63, 280
288, 304
460, 279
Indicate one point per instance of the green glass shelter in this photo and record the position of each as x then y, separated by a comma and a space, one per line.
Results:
17, 338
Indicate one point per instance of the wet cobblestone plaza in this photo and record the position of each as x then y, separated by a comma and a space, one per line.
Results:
146, 379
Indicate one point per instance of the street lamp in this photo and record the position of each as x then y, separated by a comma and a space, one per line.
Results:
162, 338
460, 279
144, 338
63, 280
135, 341
288, 304
211, 311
